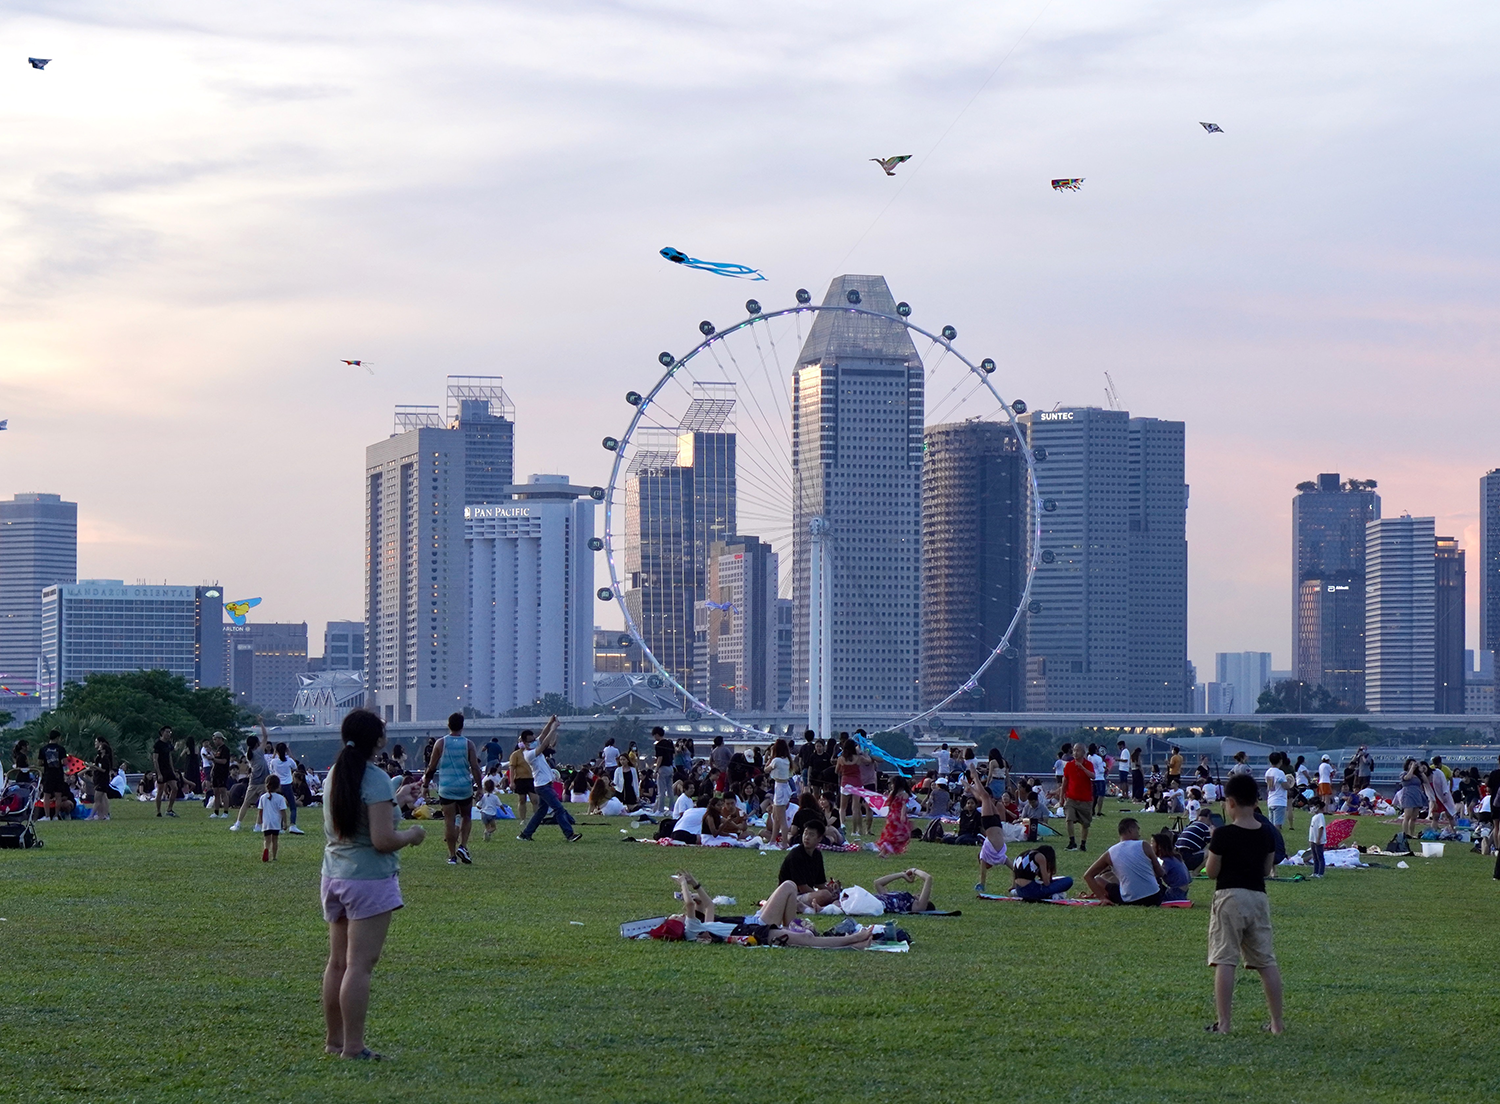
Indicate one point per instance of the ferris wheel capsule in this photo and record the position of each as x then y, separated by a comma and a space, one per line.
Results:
752, 306
804, 296
1033, 606
1049, 556
949, 332
853, 296
1039, 453
1050, 505
667, 359
611, 444
1019, 406
988, 365
633, 398
596, 493
596, 544
706, 328
605, 594
903, 309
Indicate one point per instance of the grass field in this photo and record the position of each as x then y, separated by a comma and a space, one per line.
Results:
160, 960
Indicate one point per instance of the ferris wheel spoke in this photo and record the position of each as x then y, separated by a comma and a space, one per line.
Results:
781, 444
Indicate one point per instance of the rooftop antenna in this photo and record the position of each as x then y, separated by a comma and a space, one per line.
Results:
1111, 395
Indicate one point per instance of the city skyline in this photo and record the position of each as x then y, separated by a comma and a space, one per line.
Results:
187, 268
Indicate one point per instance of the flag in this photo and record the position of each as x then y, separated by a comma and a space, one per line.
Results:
1013, 735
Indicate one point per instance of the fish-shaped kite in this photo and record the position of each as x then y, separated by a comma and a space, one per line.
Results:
1212, 128
238, 610
889, 163
39, 63
718, 268
1067, 183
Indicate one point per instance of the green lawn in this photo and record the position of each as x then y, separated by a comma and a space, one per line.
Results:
160, 960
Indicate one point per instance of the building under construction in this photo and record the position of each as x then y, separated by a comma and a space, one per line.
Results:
973, 560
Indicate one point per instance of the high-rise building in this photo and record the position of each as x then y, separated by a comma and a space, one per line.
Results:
617, 653
1111, 632
1328, 579
1489, 561
680, 494
1449, 593
1241, 678
103, 626
38, 549
1157, 669
210, 659
1400, 607
344, 646
735, 638
974, 504
265, 661
1479, 681
479, 408
531, 595
783, 651
416, 587
857, 419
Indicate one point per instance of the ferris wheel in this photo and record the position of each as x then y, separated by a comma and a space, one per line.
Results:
725, 496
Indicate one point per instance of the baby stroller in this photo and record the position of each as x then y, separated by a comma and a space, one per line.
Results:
18, 813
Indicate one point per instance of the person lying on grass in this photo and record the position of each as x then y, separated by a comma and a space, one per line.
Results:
775, 925
900, 900
1138, 876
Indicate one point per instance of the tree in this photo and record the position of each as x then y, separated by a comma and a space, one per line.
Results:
898, 745
548, 705
138, 704
1296, 696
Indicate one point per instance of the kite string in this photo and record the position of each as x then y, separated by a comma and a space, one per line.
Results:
916, 168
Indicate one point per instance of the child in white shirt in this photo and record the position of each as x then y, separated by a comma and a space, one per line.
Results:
271, 816
1317, 835
489, 808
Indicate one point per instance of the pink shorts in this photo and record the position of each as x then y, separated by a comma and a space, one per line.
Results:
359, 899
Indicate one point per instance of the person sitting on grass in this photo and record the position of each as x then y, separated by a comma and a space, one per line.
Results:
900, 900
776, 924
803, 867
1034, 876
1240, 855
816, 806
1178, 877
1138, 877
1192, 844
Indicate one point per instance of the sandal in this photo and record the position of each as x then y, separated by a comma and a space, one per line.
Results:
366, 1055
1213, 1029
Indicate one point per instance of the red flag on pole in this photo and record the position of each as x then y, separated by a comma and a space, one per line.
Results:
1013, 735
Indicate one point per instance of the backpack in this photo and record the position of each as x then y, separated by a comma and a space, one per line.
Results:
1398, 845
934, 832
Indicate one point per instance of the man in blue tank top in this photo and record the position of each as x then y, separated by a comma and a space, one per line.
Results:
456, 765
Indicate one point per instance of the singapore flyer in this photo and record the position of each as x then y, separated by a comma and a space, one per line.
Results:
775, 526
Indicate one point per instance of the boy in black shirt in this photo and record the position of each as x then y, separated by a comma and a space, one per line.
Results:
1240, 855
803, 866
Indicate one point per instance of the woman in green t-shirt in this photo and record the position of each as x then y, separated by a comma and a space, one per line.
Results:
361, 815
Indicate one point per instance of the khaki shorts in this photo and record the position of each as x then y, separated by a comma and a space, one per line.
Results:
1239, 926
1079, 812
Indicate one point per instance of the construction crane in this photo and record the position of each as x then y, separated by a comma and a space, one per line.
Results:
1111, 395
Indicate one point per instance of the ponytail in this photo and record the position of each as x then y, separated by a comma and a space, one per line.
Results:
361, 731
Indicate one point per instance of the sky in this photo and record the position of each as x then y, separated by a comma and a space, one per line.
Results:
204, 207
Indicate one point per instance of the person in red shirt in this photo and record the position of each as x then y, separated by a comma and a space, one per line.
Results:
1078, 796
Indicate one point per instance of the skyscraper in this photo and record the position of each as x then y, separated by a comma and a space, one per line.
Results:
1111, 632
531, 595
680, 494
1328, 575
416, 587
974, 503
38, 549
735, 630
1450, 662
1156, 501
344, 646
1241, 678
857, 417
264, 661
103, 626
1489, 561
1400, 607
479, 408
